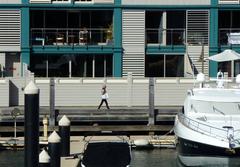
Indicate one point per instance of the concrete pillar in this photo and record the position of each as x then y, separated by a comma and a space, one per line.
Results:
130, 82
31, 125
164, 28
52, 102
151, 118
2, 63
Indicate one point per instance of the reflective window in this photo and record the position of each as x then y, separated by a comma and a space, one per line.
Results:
174, 66
66, 65
164, 66
154, 66
38, 65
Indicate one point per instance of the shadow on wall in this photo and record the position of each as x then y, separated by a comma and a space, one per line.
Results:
13, 94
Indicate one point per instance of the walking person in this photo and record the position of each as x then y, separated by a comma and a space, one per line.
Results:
104, 97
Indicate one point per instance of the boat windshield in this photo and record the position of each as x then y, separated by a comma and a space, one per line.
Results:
211, 107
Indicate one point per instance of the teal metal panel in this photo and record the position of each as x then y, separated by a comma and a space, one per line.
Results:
214, 2
233, 47
213, 45
25, 26
165, 49
25, 1
73, 49
117, 56
118, 2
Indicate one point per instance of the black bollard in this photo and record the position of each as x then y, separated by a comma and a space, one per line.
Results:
64, 132
44, 159
31, 125
54, 149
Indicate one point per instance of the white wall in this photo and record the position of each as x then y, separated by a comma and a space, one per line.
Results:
10, 1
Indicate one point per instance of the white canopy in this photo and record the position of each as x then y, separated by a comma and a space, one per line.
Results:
226, 55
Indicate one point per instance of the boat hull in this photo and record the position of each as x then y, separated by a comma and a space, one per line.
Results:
188, 147
192, 153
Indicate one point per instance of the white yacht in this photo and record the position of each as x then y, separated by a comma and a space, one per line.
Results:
209, 124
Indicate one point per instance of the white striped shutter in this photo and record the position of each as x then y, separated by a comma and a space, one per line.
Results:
133, 39
10, 30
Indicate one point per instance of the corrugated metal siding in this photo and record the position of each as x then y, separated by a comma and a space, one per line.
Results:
44, 94
10, 1
197, 27
4, 89
194, 53
90, 94
10, 30
166, 2
168, 92
171, 94
133, 40
140, 94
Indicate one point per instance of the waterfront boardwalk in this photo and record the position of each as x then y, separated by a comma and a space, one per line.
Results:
91, 114
78, 144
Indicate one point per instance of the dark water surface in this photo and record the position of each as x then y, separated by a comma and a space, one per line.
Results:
140, 158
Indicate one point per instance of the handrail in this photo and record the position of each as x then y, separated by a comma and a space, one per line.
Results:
203, 128
71, 36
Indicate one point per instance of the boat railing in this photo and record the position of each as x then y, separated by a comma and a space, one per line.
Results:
203, 128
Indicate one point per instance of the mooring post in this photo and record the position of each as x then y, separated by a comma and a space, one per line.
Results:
64, 132
31, 125
44, 159
45, 128
54, 149
52, 102
151, 117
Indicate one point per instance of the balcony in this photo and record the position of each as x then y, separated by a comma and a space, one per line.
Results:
71, 36
229, 36
75, 1
156, 36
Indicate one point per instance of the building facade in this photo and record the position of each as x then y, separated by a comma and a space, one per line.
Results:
112, 38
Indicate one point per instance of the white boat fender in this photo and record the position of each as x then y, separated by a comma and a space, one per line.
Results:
141, 142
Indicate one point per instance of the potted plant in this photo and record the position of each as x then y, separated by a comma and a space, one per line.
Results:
109, 34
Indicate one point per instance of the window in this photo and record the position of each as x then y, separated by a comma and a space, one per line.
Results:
164, 66
81, 65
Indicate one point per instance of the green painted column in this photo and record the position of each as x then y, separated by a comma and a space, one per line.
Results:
213, 46
117, 28
25, 1
25, 36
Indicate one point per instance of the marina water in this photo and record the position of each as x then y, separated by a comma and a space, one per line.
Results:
140, 158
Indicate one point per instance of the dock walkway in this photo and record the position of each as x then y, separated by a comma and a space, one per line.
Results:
78, 144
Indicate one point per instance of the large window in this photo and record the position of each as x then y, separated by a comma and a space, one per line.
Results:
163, 28
70, 65
164, 66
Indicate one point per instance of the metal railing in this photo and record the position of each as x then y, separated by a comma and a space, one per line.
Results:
70, 36
224, 34
203, 128
165, 36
